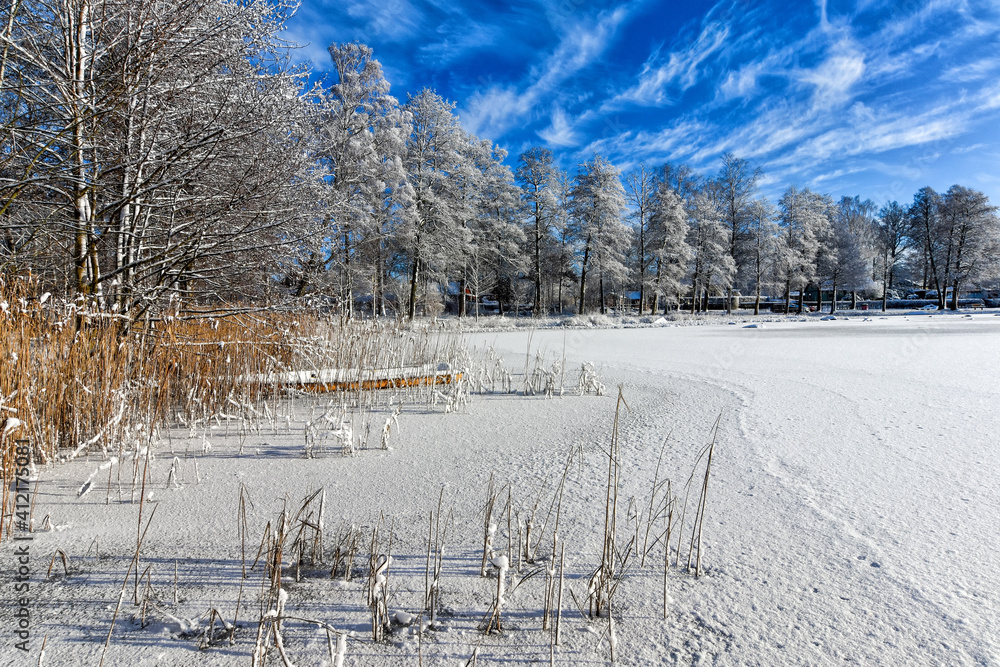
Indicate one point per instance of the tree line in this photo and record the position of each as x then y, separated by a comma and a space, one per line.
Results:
167, 152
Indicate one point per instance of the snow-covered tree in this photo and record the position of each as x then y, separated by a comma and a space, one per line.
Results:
762, 246
848, 247
598, 203
157, 145
498, 236
364, 135
804, 220
669, 252
435, 158
682, 179
736, 185
468, 182
971, 237
561, 257
538, 175
640, 193
712, 265
925, 228
891, 241
389, 199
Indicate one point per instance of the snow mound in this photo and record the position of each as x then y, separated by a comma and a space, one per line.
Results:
9, 425
753, 326
827, 318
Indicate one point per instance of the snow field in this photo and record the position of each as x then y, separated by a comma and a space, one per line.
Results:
850, 513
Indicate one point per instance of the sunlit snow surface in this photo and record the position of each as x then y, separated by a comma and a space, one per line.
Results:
853, 509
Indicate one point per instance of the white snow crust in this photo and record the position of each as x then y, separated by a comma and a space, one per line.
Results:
851, 517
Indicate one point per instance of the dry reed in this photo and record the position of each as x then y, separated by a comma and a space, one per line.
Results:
75, 383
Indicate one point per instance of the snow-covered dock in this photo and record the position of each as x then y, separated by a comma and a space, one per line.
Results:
352, 379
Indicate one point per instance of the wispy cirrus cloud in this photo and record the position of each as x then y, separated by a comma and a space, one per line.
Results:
392, 20
560, 132
459, 37
497, 108
821, 106
986, 68
679, 142
678, 70
834, 78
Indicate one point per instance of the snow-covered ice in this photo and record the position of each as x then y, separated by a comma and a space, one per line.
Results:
851, 514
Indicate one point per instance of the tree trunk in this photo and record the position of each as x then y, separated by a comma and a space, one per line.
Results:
600, 286
414, 274
94, 267
885, 289
381, 273
643, 246
657, 288
348, 287
583, 277
925, 281
461, 296
559, 294
538, 258
77, 60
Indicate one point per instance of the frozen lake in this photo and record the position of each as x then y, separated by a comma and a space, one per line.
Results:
851, 514
857, 478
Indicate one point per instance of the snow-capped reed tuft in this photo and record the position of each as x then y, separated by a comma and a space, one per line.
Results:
697, 529
614, 561
493, 623
489, 525
436, 534
589, 382
377, 589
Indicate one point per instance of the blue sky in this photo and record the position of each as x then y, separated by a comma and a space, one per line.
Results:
868, 97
